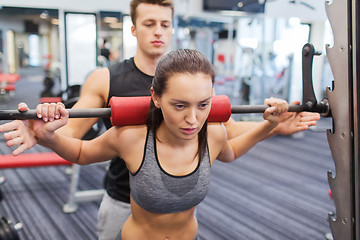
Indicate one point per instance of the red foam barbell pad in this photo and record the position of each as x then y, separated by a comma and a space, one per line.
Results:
129, 110
220, 109
32, 160
134, 110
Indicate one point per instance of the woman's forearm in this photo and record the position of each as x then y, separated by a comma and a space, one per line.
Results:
244, 142
235, 129
66, 147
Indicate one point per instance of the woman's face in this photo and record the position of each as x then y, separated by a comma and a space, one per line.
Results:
185, 104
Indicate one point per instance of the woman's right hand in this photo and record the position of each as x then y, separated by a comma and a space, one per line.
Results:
53, 115
27, 133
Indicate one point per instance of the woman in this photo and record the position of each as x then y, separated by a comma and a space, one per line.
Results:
169, 158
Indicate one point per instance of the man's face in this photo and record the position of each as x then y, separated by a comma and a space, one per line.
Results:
153, 29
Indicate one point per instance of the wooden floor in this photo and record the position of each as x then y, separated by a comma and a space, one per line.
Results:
278, 190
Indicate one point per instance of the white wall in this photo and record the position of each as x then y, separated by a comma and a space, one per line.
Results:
274, 8
282, 8
78, 5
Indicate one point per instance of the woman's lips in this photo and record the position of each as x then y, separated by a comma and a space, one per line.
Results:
188, 130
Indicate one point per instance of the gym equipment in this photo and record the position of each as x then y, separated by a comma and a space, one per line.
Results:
76, 195
32, 160
8, 83
2, 181
344, 100
133, 110
9, 229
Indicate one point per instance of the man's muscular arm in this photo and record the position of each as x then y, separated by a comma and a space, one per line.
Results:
94, 94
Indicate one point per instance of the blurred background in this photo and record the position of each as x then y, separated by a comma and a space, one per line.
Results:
255, 45
279, 190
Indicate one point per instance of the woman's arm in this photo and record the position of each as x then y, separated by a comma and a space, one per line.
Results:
94, 94
72, 149
289, 123
83, 152
237, 146
53, 117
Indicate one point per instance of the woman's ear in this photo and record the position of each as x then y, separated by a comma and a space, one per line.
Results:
155, 98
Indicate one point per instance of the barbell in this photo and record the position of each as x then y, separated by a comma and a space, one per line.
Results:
133, 110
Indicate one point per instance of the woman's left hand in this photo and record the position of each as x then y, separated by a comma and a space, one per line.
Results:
278, 108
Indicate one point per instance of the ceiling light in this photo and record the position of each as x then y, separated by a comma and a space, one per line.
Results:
110, 19
116, 25
55, 21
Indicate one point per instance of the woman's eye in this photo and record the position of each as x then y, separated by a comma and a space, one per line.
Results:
204, 105
179, 106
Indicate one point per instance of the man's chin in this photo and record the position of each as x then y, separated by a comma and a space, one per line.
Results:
158, 52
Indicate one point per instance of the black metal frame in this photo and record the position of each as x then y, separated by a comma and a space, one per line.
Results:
344, 137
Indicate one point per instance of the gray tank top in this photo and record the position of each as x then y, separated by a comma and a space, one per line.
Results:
157, 191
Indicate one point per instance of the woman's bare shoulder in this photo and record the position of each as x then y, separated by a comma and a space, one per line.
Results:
216, 132
216, 139
131, 134
216, 128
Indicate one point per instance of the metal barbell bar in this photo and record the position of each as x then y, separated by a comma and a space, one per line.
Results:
133, 110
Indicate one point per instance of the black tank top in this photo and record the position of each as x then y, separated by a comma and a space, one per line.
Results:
126, 80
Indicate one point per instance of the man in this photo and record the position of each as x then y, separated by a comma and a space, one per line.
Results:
152, 26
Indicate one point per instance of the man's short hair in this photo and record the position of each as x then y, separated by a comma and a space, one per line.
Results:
135, 3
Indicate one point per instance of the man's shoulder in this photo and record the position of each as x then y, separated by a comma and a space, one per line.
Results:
121, 67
